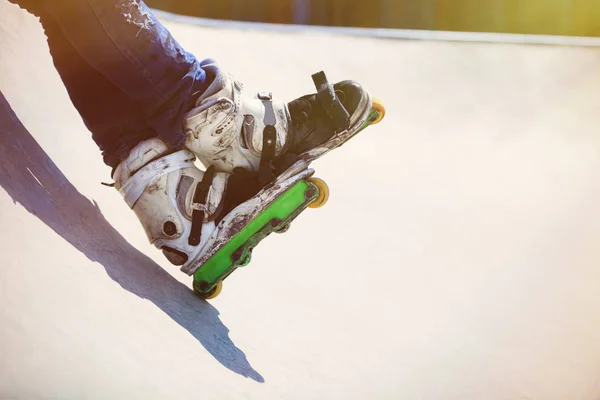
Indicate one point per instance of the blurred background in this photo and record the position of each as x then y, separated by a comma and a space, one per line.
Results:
547, 17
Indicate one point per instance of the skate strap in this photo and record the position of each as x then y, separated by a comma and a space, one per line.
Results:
133, 189
331, 103
266, 172
199, 206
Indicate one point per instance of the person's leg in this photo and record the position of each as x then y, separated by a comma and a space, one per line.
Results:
114, 119
177, 204
126, 75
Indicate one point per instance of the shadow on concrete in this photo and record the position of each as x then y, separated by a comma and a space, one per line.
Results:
71, 215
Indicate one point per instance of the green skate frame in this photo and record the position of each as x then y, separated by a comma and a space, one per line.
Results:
237, 252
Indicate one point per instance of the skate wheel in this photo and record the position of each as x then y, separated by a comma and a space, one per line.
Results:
323, 193
215, 292
378, 106
212, 294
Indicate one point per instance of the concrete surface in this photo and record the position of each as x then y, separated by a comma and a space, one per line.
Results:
457, 257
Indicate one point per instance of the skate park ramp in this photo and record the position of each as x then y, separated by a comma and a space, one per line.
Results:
458, 256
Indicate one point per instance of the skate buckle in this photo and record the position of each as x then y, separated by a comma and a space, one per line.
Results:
202, 206
199, 207
265, 96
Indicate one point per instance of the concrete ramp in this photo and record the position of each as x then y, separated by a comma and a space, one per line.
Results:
458, 256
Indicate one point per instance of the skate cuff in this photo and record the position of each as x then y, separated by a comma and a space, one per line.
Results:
133, 189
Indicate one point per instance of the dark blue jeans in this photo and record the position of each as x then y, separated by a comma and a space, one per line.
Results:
124, 72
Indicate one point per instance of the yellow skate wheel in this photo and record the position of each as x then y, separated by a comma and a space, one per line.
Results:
215, 292
378, 106
323, 193
212, 294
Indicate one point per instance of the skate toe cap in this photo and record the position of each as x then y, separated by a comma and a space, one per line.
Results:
350, 93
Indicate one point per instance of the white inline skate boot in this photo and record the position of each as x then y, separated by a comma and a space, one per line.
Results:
231, 129
200, 218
